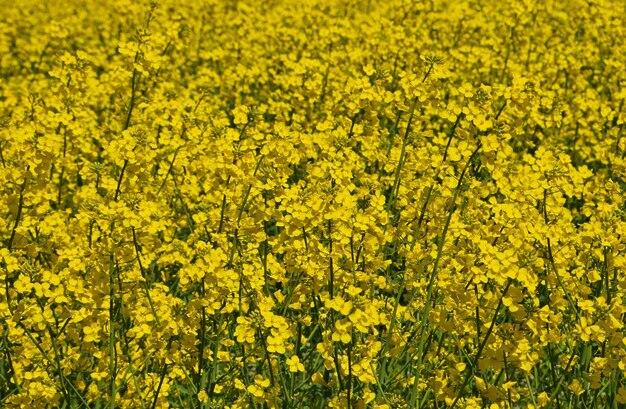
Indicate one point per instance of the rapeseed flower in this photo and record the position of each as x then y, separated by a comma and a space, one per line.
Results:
312, 204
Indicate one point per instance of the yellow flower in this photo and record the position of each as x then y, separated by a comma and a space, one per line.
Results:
576, 387
294, 364
240, 115
203, 397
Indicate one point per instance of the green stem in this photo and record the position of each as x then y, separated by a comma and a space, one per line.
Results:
433, 275
112, 352
470, 369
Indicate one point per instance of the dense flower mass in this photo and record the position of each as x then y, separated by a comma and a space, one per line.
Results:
312, 204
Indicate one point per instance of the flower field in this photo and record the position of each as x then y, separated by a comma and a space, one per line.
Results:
313, 204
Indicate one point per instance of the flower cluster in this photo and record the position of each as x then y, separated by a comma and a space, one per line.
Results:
310, 204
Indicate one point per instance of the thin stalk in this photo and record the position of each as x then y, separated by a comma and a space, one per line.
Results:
112, 351
470, 369
551, 260
158, 391
18, 216
433, 275
143, 274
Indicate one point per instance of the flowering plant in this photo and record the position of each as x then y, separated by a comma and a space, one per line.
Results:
344, 204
